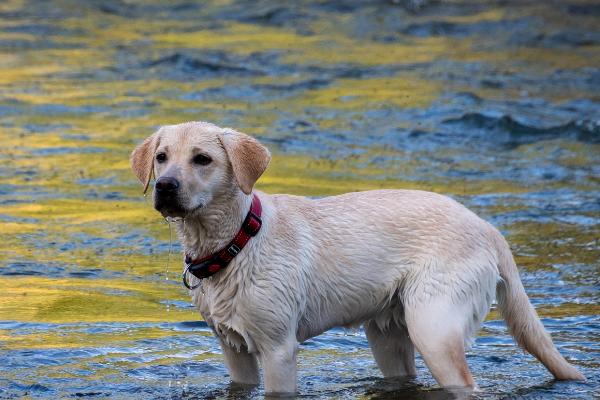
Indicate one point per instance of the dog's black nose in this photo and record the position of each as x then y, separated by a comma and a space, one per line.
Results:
166, 184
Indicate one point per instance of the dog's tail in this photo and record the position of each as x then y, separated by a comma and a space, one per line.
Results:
522, 320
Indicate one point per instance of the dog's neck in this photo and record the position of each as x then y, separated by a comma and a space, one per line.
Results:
213, 228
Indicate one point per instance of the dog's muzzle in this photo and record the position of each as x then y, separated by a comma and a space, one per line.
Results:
166, 197
166, 186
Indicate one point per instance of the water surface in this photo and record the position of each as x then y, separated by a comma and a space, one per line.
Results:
493, 103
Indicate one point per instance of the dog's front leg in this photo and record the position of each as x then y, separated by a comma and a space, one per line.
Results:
242, 366
279, 364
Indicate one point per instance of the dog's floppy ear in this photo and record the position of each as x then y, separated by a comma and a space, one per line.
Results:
142, 159
248, 157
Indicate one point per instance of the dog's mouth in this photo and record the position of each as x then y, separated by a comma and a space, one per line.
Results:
169, 208
172, 212
176, 210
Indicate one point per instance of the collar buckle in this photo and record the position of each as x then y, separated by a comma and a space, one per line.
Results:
201, 270
252, 224
234, 249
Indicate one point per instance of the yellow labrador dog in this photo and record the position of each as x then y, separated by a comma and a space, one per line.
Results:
417, 269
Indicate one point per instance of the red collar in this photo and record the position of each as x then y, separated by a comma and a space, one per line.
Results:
207, 266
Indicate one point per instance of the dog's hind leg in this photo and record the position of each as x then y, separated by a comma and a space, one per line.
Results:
438, 328
392, 349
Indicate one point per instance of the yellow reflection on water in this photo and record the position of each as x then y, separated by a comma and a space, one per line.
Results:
53, 212
87, 300
360, 94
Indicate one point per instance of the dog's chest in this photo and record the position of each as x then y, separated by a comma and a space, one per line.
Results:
218, 307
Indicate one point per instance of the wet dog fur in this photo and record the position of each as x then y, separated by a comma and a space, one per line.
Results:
417, 269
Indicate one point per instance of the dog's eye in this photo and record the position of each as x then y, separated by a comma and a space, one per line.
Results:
161, 157
201, 159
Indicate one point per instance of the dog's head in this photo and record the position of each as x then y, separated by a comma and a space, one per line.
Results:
195, 163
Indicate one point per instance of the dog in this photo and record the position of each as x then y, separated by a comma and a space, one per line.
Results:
417, 269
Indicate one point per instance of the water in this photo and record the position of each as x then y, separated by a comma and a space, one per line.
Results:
493, 103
